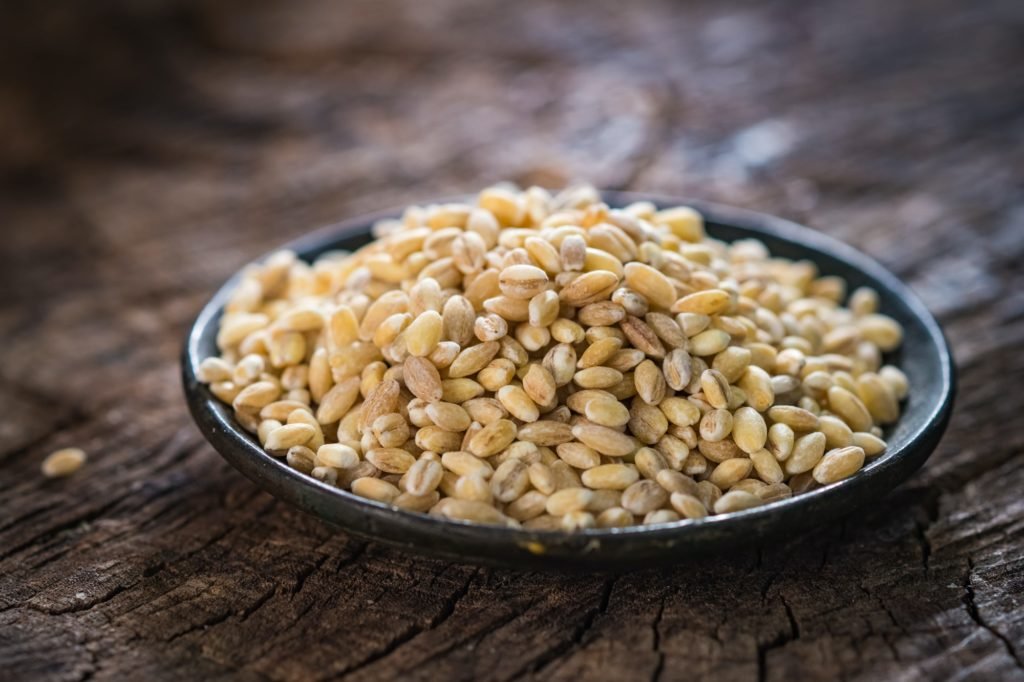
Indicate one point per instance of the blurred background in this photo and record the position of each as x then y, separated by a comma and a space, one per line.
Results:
232, 126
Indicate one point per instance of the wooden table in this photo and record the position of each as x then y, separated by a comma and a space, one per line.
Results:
149, 149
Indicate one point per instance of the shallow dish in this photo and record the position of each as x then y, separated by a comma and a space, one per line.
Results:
924, 357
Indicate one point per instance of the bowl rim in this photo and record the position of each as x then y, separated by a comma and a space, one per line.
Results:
210, 414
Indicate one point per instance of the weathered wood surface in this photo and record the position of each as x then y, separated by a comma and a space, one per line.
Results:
148, 149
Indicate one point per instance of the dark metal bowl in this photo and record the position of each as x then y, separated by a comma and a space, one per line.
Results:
924, 357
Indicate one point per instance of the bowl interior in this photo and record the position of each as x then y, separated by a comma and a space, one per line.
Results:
924, 357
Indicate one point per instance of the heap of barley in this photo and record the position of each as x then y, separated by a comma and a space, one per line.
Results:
550, 362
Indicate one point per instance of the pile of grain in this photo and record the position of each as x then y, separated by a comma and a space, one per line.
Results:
552, 362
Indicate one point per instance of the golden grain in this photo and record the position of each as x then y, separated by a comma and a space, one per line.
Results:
749, 430
736, 500
589, 287
606, 411
807, 452
767, 466
301, 458
640, 334
337, 455
473, 359
709, 342
796, 418
483, 410
614, 517
578, 455
493, 438
610, 476
567, 500
650, 382
680, 411
597, 377
871, 444
599, 352
63, 462
849, 408
546, 433
289, 435
643, 497
605, 440
490, 327
715, 387
838, 464
651, 284
390, 460
514, 399
878, 397
897, 381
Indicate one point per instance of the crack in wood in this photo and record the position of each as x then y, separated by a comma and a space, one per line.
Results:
448, 608
930, 506
776, 642
659, 665
54, 531
971, 607
553, 654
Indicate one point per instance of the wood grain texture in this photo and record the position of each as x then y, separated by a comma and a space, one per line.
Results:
149, 149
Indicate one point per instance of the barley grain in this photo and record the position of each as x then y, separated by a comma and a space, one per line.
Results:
680, 411
599, 352
493, 438
423, 477
676, 482
606, 411
610, 477
514, 399
871, 444
337, 455
849, 408
736, 500
546, 433
473, 359
63, 462
716, 388
796, 418
490, 327
605, 440
597, 377
878, 397
614, 517
838, 464
375, 489
640, 334
897, 381
567, 500
303, 459
650, 382
390, 430
532, 504
807, 452
651, 284
749, 430
643, 497
390, 460
289, 435
460, 390
448, 416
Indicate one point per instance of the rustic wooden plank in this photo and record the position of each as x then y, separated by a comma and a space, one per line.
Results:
147, 151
